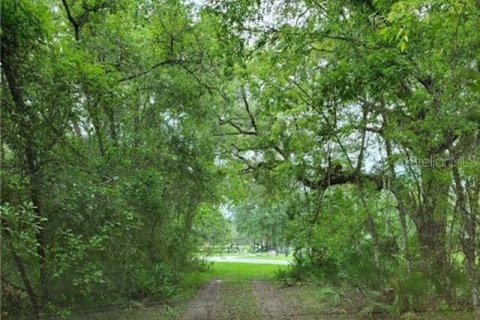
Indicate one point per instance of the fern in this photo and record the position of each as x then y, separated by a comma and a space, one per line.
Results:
331, 295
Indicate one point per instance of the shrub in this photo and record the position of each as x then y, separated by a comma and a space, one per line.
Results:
157, 281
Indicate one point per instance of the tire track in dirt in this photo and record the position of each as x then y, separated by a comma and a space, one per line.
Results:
272, 303
204, 306
275, 305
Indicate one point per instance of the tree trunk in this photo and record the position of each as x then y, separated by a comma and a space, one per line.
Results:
469, 238
32, 163
431, 222
26, 282
402, 211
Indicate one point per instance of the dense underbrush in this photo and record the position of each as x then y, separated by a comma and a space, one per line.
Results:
366, 285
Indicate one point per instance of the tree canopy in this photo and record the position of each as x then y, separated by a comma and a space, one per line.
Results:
348, 130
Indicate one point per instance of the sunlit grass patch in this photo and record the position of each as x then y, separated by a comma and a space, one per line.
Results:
244, 271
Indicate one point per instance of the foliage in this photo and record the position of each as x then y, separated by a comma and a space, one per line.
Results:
157, 281
107, 149
359, 116
211, 227
346, 130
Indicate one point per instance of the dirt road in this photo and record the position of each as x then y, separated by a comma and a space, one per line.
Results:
249, 300
204, 306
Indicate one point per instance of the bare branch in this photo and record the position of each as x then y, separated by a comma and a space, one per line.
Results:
199, 81
74, 23
83, 19
247, 107
155, 66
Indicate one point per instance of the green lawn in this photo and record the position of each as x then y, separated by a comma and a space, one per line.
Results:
243, 271
228, 271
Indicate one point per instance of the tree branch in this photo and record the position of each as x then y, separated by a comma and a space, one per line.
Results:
337, 177
74, 23
155, 66
247, 107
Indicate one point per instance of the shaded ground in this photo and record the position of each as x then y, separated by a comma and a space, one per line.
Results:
236, 291
252, 300
204, 306
238, 302
260, 299
272, 302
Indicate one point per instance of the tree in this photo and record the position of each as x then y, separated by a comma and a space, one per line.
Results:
108, 148
367, 93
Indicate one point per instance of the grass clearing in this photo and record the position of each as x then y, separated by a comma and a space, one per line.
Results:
244, 271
